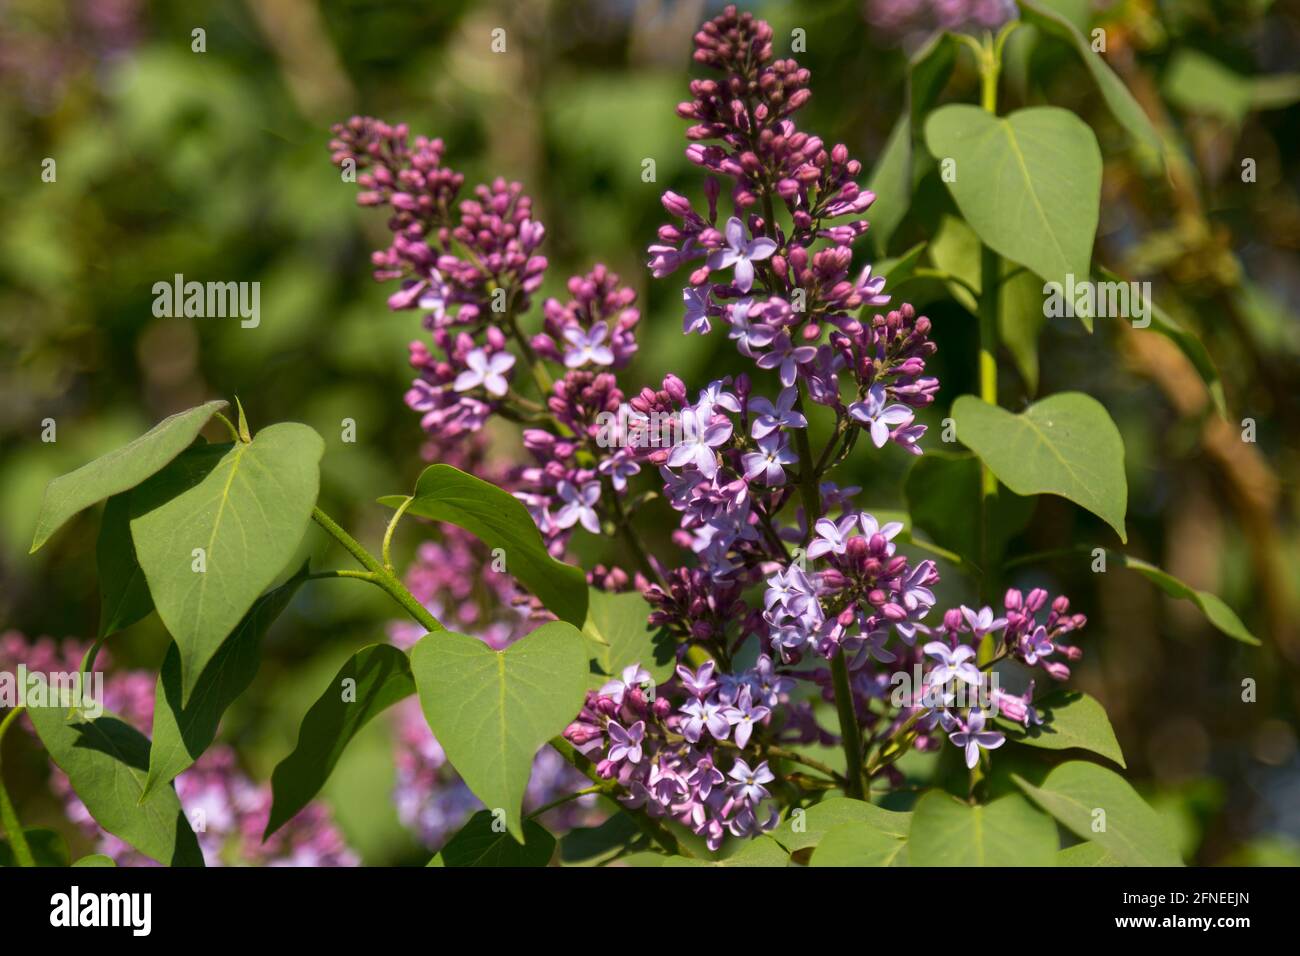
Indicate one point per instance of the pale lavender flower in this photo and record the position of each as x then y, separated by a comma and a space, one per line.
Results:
625, 744
741, 253
786, 358
981, 622
697, 444
743, 715
768, 417
700, 682
579, 506
831, 537
588, 346
1036, 645
768, 462
880, 418
485, 370
748, 784
748, 335
705, 715
953, 662
972, 736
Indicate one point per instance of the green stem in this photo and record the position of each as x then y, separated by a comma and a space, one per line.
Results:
8, 815
234, 432
561, 801
378, 573
384, 551
850, 732
990, 281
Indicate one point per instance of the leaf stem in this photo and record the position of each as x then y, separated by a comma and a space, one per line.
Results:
384, 552
380, 575
561, 801
990, 278
850, 732
234, 432
8, 815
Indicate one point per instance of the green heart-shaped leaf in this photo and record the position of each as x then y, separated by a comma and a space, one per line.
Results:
120, 470
492, 710
106, 761
1099, 805
1029, 183
1007, 832
215, 528
500, 521
1064, 445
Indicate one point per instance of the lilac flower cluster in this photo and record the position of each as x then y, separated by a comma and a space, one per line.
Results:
228, 810
684, 760
910, 20
735, 459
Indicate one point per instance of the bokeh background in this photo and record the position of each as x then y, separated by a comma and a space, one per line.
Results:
214, 165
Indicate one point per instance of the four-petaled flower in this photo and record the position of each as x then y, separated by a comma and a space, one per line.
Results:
743, 714
831, 537
982, 621
1036, 645
579, 505
768, 462
587, 346
699, 439
880, 418
748, 784
768, 417
973, 736
786, 359
741, 253
485, 370
705, 715
625, 744
953, 662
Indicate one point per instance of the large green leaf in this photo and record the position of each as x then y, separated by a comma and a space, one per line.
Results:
492, 710
1086, 855
1121, 102
1029, 184
1007, 832
182, 732
1215, 610
247, 506
618, 636
859, 844
1064, 445
1071, 719
1077, 793
478, 843
372, 680
760, 852
940, 487
123, 592
801, 831
106, 761
1198, 83
120, 470
500, 520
